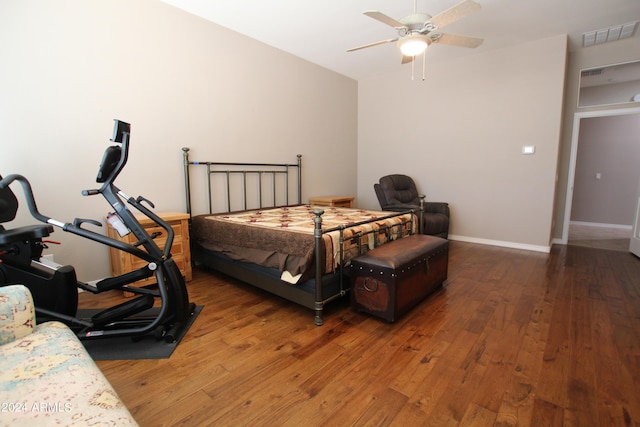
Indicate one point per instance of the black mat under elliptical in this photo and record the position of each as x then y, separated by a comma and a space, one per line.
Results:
127, 348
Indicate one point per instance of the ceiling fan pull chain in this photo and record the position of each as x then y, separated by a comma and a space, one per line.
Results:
413, 61
424, 63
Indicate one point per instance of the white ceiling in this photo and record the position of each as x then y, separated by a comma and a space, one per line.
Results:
322, 31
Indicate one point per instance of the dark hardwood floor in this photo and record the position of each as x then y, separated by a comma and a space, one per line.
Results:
514, 338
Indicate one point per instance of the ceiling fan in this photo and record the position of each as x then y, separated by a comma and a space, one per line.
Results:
418, 30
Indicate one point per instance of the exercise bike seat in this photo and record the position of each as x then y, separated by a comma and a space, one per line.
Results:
28, 232
8, 210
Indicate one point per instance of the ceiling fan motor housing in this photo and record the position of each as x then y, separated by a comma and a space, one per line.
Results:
417, 22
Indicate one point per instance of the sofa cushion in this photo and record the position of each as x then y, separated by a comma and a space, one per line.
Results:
17, 315
50, 379
47, 378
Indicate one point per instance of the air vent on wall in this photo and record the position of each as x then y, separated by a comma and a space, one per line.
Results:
588, 73
611, 34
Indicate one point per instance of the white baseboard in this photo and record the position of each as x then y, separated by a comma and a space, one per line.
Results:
599, 224
501, 243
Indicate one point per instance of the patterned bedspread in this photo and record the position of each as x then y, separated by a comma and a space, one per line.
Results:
283, 237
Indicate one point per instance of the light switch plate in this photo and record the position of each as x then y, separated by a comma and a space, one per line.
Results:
528, 149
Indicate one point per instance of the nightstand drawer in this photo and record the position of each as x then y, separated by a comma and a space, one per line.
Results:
162, 233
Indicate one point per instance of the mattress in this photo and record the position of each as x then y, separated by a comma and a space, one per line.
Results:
283, 237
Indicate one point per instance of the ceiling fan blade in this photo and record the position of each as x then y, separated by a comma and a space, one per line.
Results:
459, 11
406, 59
379, 16
373, 44
457, 40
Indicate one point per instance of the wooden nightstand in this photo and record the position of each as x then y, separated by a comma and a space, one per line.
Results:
123, 262
335, 201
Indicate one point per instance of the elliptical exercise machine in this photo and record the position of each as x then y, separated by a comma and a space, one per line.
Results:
162, 310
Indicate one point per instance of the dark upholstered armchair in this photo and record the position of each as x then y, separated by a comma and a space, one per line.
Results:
399, 193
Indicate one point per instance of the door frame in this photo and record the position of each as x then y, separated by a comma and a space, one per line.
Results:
575, 136
634, 244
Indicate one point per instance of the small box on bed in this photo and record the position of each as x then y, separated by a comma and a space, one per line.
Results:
391, 279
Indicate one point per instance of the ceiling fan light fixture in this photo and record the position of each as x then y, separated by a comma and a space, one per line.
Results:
413, 44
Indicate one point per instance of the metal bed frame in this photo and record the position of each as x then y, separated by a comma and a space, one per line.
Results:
225, 170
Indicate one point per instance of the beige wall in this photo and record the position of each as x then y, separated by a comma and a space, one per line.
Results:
460, 134
70, 67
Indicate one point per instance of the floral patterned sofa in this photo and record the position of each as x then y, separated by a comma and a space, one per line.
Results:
46, 375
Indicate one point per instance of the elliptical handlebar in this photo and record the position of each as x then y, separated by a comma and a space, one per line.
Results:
113, 161
28, 192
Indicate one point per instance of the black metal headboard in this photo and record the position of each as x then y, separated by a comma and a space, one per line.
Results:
266, 184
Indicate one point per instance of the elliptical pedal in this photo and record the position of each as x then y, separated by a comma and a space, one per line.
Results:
133, 276
121, 311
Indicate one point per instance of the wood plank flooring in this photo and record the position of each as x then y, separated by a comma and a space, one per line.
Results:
602, 237
514, 338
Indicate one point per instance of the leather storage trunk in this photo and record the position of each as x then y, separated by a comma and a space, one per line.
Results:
391, 279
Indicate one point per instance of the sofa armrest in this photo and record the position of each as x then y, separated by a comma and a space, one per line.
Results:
17, 313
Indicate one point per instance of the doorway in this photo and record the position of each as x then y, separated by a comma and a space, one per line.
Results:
607, 234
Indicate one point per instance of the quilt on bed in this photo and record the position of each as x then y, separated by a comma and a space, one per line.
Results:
283, 237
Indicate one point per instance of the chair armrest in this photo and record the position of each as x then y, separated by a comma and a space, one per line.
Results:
400, 207
17, 313
429, 207
437, 207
